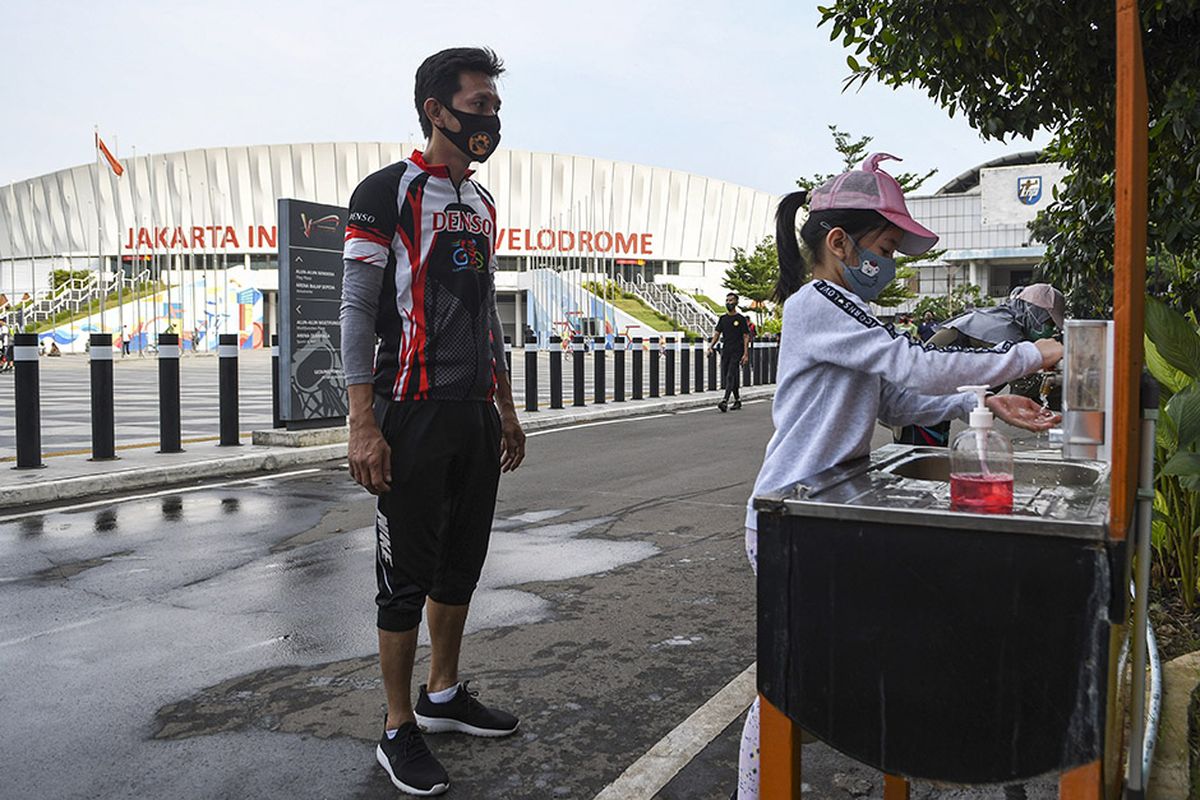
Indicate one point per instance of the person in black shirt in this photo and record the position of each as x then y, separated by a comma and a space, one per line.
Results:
733, 330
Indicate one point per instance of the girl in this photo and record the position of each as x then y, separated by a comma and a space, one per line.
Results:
841, 369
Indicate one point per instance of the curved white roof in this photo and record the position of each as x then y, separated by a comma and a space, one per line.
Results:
223, 200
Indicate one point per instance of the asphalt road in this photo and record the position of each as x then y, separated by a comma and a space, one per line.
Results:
220, 642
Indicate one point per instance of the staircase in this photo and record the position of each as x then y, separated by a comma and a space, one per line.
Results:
72, 297
669, 302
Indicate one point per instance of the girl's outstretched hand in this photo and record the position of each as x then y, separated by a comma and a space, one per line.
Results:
1022, 412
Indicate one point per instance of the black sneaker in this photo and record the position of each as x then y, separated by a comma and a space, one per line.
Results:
410, 765
723, 406
736, 405
462, 714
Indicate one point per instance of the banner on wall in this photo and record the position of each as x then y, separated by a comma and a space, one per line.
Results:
312, 381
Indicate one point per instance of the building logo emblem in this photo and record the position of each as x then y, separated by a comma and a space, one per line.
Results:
1029, 189
480, 144
326, 223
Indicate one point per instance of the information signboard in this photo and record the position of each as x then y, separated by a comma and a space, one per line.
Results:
312, 381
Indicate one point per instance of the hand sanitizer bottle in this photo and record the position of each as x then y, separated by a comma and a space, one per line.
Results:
981, 464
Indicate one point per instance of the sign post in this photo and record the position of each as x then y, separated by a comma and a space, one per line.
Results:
312, 381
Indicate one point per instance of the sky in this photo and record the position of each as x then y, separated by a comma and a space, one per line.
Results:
742, 91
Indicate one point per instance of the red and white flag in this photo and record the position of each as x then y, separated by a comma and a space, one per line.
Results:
117, 169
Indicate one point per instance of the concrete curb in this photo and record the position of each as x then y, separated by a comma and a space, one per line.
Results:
179, 468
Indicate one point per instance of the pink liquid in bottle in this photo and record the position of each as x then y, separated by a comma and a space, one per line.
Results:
981, 494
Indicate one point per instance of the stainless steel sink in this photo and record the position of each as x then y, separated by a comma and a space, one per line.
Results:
911, 485
1030, 472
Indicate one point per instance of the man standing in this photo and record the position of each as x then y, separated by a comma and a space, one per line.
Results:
426, 435
733, 330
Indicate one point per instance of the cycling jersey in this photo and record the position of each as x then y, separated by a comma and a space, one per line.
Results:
436, 245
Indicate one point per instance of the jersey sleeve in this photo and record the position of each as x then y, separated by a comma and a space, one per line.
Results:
374, 215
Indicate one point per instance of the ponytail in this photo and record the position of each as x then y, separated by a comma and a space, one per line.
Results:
791, 259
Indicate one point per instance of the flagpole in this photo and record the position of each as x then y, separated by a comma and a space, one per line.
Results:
99, 231
114, 180
137, 255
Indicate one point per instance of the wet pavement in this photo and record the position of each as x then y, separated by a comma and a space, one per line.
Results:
219, 642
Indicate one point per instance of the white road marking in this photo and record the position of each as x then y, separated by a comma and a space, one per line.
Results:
62, 628
710, 408
662, 762
163, 493
595, 424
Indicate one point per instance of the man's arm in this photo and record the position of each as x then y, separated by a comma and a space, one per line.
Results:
746, 343
512, 438
367, 451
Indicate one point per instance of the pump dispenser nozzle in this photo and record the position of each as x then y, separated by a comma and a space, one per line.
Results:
981, 416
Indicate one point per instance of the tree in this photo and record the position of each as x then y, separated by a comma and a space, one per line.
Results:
754, 276
853, 153
1018, 67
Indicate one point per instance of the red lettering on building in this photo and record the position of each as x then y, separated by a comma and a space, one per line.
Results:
229, 238
197, 236
265, 238
585, 240
566, 240
626, 244
647, 247
545, 239
604, 244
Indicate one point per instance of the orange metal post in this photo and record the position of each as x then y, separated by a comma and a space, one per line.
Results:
1129, 264
895, 788
778, 754
1081, 783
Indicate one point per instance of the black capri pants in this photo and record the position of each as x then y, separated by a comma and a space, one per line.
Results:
432, 528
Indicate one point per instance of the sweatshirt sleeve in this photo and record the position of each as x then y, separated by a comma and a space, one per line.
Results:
360, 306
501, 365
843, 333
905, 407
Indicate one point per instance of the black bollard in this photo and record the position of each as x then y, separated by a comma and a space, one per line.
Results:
556, 372
103, 443
685, 366
531, 376
619, 369
276, 422
746, 375
508, 354
712, 371
672, 348
655, 363
227, 369
168, 394
27, 396
698, 357
756, 351
598, 389
774, 351
577, 358
637, 368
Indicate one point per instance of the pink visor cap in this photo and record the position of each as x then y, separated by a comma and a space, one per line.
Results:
870, 188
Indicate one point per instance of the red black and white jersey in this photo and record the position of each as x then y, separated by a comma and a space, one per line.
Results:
436, 245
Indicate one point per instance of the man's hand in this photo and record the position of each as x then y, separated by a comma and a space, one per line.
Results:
1022, 412
512, 441
370, 457
745, 359
1051, 350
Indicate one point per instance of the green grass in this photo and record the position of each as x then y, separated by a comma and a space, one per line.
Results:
707, 301
67, 317
634, 307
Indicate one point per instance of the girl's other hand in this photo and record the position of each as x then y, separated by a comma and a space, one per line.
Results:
1022, 412
1051, 350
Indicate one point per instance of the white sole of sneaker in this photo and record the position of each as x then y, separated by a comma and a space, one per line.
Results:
443, 725
439, 788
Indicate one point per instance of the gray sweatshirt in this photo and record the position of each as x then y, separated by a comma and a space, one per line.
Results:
841, 369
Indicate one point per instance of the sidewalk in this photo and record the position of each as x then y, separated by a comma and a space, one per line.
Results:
69, 477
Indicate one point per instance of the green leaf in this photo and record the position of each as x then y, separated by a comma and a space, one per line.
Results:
1167, 376
1183, 465
853, 63
1177, 341
1184, 410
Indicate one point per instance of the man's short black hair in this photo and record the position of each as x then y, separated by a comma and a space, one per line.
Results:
438, 76
734, 295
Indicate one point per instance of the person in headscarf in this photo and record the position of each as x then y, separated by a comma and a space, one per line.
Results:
1030, 313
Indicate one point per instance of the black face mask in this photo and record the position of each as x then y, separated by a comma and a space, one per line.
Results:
479, 134
731, 306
